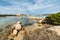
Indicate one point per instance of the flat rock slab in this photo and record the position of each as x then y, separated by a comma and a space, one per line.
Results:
56, 29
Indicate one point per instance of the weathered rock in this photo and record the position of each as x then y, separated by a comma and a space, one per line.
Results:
56, 29
41, 34
17, 26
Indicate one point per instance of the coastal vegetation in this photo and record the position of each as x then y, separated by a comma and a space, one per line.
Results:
53, 19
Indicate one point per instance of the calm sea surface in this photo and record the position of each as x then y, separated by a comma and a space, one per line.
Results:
11, 20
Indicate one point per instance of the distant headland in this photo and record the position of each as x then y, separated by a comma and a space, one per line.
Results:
4, 15
21, 15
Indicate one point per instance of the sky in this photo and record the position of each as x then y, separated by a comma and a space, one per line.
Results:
29, 6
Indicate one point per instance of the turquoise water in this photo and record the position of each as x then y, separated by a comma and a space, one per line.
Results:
12, 20
7, 20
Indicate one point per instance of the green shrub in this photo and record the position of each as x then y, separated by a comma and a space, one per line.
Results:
53, 19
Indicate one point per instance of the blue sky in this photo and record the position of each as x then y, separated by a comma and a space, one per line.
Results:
29, 6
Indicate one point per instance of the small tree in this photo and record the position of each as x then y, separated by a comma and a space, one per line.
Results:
53, 19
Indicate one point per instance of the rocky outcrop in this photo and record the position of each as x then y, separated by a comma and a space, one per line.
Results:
41, 34
55, 29
33, 32
21, 15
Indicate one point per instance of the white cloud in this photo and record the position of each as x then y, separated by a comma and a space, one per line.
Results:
23, 7
37, 7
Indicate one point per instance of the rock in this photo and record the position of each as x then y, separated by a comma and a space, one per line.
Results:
1, 30
56, 29
17, 26
40, 34
14, 34
22, 31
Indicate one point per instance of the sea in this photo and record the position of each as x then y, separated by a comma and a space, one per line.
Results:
4, 21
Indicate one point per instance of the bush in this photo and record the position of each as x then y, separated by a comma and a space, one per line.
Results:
53, 19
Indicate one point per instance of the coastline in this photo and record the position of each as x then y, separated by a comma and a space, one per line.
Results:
28, 28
